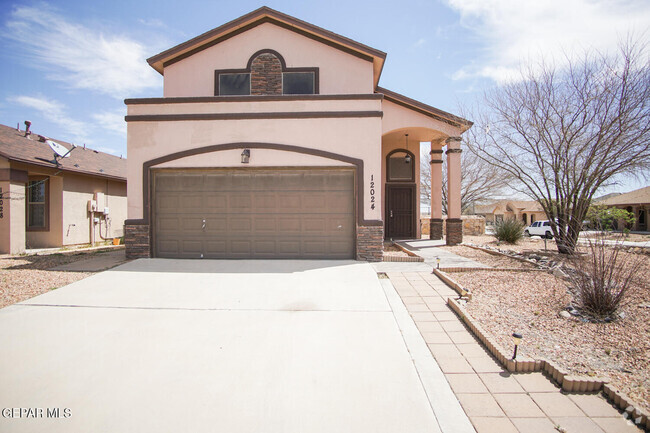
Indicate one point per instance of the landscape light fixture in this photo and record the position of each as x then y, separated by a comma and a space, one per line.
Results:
437, 262
516, 338
245, 156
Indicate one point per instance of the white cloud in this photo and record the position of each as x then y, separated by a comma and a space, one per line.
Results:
112, 121
81, 57
152, 22
514, 30
55, 112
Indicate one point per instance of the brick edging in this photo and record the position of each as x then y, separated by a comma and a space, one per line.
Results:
409, 252
388, 258
524, 364
499, 253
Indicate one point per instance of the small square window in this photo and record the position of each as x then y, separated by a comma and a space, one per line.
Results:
234, 84
298, 83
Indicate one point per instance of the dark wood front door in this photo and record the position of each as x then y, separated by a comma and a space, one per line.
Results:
400, 211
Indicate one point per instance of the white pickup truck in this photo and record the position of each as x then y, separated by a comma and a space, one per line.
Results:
539, 228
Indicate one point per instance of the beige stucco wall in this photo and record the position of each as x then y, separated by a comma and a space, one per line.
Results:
354, 137
340, 73
69, 219
12, 223
78, 190
421, 127
52, 237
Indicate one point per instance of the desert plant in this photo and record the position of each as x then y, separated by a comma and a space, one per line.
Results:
509, 230
601, 277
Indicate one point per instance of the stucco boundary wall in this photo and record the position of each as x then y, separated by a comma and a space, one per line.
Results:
473, 225
551, 370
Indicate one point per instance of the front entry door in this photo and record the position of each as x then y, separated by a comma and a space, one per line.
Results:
400, 212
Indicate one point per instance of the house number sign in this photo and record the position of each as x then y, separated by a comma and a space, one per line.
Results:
2, 205
372, 191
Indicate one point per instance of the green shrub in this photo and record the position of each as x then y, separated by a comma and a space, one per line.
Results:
509, 230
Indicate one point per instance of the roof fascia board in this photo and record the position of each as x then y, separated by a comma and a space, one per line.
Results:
255, 18
68, 170
425, 109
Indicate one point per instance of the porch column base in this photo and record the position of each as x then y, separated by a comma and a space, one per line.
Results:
454, 231
370, 243
435, 228
137, 242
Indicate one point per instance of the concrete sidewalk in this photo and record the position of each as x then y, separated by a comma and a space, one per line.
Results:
236, 346
430, 250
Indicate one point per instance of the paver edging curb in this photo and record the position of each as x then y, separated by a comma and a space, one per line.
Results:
499, 253
568, 383
387, 258
409, 252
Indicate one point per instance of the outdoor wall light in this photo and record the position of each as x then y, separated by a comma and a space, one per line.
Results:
516, 338
407, 158
245, 156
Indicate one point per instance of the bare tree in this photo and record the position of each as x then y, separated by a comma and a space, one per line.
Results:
480, 181
562, 133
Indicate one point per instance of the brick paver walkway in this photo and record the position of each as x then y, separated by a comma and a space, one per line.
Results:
493, 399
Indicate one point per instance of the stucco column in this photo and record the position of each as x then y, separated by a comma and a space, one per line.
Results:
454, 223
435, 223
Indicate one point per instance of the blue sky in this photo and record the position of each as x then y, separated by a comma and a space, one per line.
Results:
68, 65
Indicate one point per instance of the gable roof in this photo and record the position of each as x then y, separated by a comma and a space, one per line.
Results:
268, 15
521, 205
638, 196
425, 109
16, 147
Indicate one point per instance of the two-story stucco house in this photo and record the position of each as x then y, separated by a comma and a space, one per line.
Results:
274, 140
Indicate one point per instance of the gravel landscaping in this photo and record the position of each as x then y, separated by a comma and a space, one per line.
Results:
530, 302
23, 277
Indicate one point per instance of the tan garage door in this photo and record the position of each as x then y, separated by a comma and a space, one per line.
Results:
254, 213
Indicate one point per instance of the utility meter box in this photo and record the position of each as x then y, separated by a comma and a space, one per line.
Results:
99, 198
92, 206
105, 211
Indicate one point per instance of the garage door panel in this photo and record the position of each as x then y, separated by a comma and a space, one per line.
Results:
215, 225
192, 246
240, 223
256, 213
241, 247
262, 224
216, 248
215, 202
190, 201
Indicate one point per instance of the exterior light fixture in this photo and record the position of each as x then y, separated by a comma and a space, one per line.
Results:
516, 338
407, 158
245, 156
438, 262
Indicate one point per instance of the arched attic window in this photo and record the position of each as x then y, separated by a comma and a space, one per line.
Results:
266, 74
400, 166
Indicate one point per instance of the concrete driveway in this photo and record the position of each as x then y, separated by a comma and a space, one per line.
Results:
233, 346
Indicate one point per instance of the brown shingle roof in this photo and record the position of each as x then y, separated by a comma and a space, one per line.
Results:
638, 196
16, 147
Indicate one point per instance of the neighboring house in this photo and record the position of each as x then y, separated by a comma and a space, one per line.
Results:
526, 211
273, 140
637, 202
45, 203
